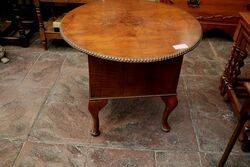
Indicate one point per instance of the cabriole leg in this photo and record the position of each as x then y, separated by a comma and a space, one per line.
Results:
95, 107
170, 102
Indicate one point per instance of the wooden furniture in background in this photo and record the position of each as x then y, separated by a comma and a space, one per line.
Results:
244, 116
16, 28
214, 14
231, 85
131, 52
46, 26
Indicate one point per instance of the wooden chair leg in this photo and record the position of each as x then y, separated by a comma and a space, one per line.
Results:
95, 107
45, 45
236, 133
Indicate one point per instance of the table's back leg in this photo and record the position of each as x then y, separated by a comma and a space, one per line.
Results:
95, 107
170, 102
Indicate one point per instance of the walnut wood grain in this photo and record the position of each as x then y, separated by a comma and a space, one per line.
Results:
170, 102
110, 79
95, 107
130, 50
131, 30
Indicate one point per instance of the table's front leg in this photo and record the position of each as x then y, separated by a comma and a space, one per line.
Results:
170, 102
95, 107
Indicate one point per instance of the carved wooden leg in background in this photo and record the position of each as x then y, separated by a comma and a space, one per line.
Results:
232, 70
95, 107
170, 102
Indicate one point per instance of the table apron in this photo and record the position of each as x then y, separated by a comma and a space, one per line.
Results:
111, 79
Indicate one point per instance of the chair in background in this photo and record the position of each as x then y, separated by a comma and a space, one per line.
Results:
243, 118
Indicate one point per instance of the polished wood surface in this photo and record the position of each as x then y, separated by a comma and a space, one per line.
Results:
130, 50
214, 14
110, 79
131, 30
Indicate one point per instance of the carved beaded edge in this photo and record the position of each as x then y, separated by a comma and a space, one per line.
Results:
123, 60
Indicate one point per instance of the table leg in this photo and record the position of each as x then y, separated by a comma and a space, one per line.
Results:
170, 102
95, 107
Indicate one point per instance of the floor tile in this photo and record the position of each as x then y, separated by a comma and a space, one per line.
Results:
63, 123
17, 117
18, 109
76, 60
22, 92
57, 122
245, 70
222, 47
46, 70
135, 123
213, 119
212, 160
8, 152
204, 68
177, 159
99, 157
20, 63
204, 94
181, 85
72, 85
36, 154
203, 52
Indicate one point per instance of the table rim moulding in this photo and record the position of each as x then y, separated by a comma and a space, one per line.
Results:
133, 60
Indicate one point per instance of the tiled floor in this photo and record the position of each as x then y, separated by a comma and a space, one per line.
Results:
44, 119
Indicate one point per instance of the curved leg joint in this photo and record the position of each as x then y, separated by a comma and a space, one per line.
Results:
95, 107
170, 102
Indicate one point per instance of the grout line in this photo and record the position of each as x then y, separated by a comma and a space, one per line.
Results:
21, 81
200, 157
87, 156
18, 155
155, 158
215, 53
45, 100
190, 115
39, 112
117, 147
212, 48
38, 57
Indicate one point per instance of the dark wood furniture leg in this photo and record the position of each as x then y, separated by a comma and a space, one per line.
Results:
244, 116
41, 25
170, 102
95, 107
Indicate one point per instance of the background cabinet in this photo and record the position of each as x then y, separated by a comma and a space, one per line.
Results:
17, 22
46, 20
214, 14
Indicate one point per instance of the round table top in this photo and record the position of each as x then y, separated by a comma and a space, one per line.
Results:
131, 30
